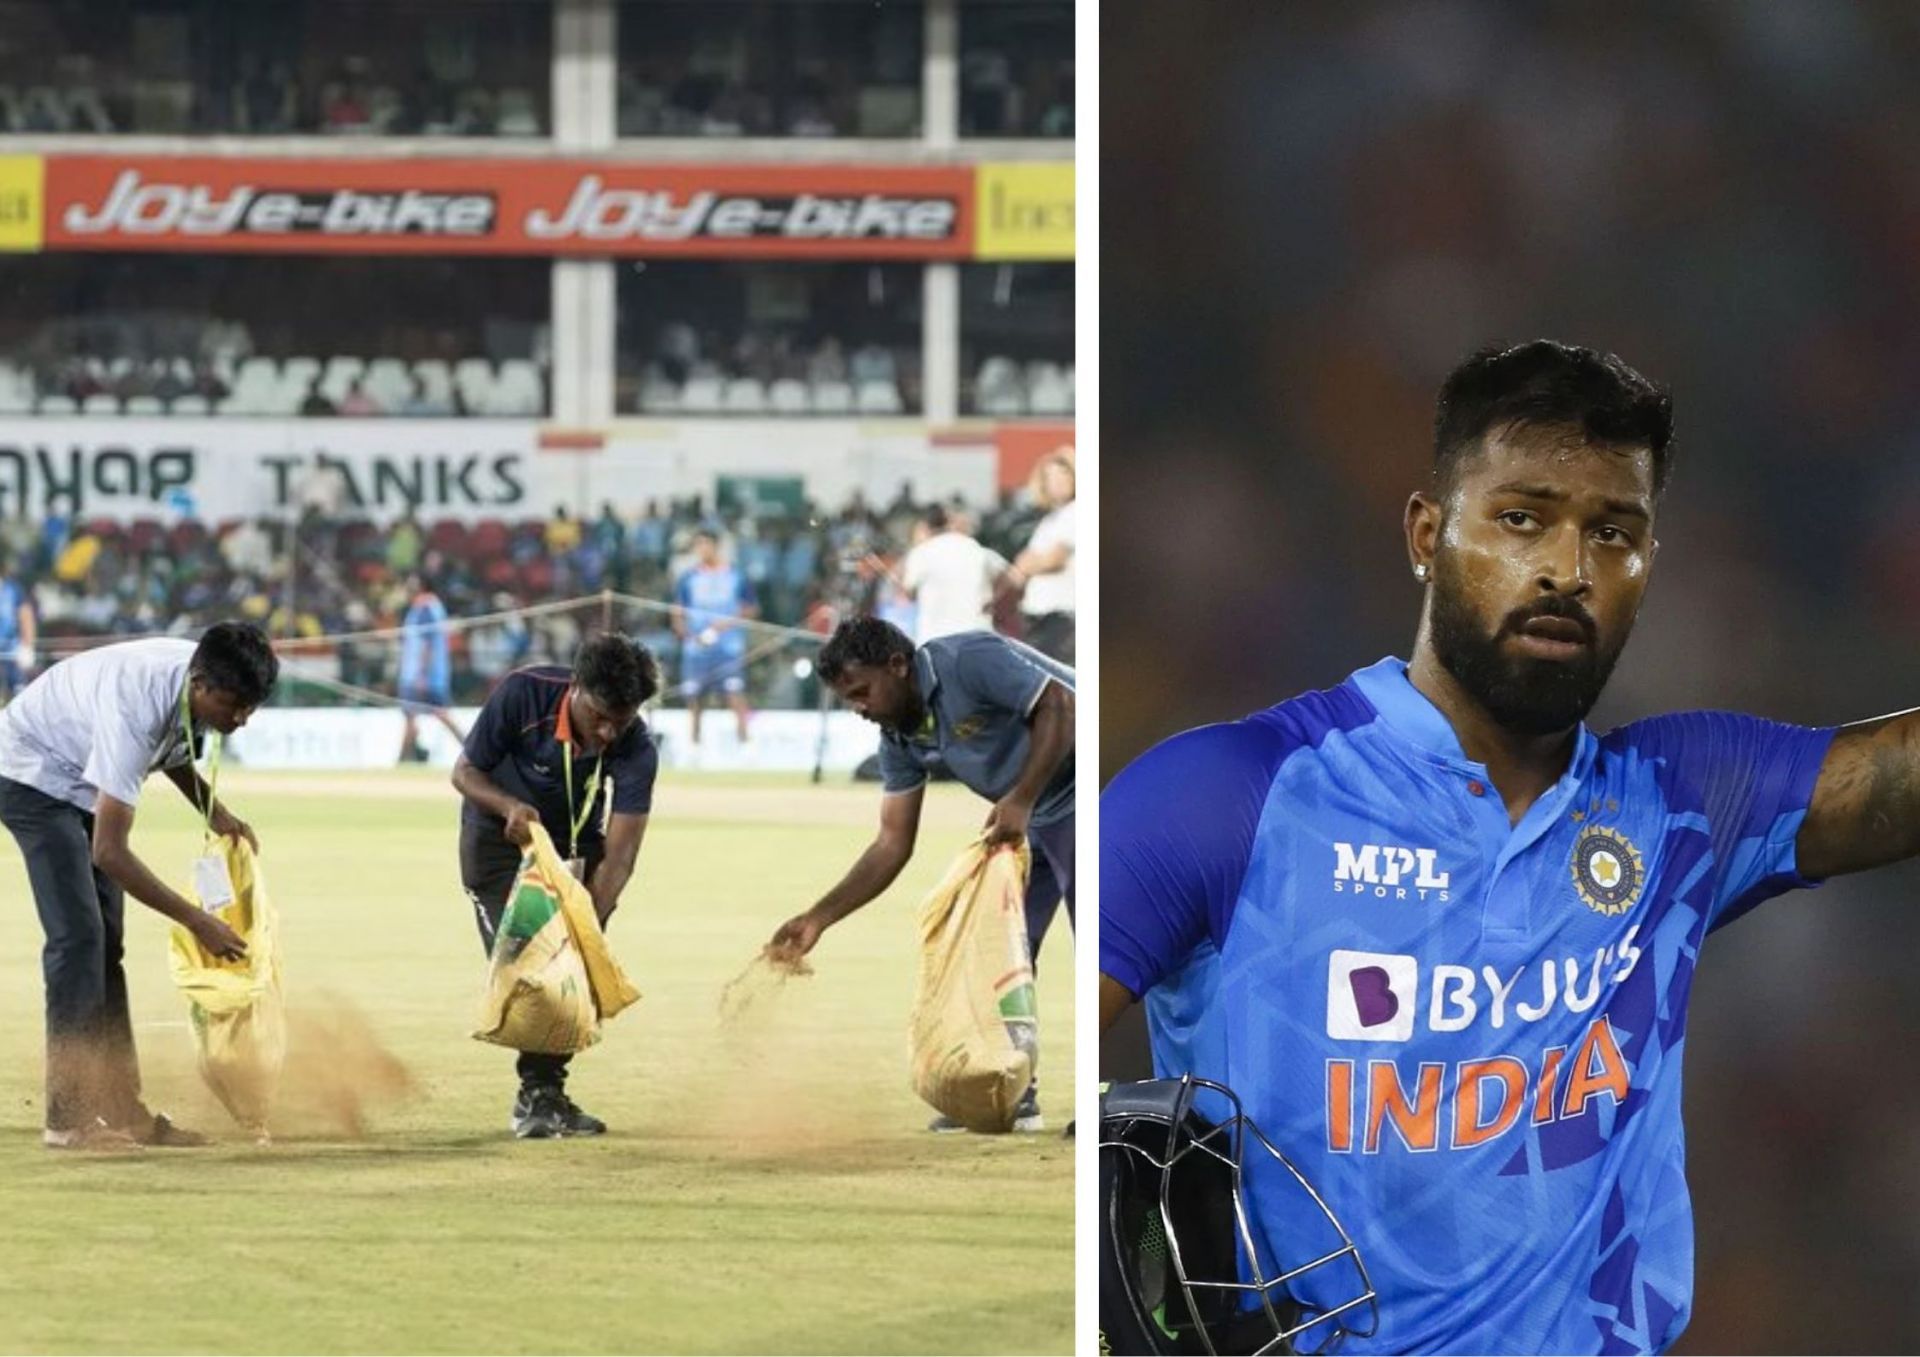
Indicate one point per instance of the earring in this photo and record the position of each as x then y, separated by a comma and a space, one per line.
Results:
1420, 573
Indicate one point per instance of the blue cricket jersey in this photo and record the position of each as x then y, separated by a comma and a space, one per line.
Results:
715, 595
11, 597
1467, 1034
426, 663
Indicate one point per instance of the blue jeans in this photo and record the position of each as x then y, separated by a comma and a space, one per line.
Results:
91, 1067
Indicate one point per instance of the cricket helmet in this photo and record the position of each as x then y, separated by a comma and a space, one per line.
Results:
1180, 1268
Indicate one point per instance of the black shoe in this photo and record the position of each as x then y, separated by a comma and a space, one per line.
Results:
537, 1114
573, 1121
1026, 1113
156, 1128
1068, 1133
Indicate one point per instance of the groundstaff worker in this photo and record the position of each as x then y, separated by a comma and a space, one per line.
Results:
75, 748
564, 748
999, 716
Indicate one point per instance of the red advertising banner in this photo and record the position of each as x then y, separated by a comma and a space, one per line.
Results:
277, 205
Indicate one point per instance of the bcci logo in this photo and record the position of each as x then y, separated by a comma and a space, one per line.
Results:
1607, 870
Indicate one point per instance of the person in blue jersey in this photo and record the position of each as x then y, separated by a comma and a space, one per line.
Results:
19, 633
566, 749
426, 667
996, 714
714, 597
1439, 936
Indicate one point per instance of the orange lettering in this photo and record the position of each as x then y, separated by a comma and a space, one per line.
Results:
1584, 1081
1549, 1080
1418, 1123
1467, 1130
1340, 1106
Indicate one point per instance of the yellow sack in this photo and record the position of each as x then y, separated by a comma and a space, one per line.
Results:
236, 1009
553, 980
974, 1035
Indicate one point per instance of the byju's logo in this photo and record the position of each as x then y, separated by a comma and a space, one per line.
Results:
1371, 996
1388, 871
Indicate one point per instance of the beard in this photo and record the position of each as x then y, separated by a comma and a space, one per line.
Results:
1523, 694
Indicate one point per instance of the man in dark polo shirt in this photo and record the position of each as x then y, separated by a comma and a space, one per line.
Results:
565, 748
996, 714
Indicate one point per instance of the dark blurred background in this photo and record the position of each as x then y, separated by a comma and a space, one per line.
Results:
1313, 211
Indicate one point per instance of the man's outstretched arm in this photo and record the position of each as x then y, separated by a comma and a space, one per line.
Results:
871, 874
1866, 802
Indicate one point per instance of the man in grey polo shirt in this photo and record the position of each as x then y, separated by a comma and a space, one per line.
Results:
75, 747
996, 714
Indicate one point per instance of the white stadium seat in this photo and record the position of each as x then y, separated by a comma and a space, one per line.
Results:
57, 405
518, 115
343, 370
701, 396
658, 396
519, 390
789, 397
390, 382
145, 405
101, 403
878, 398
1053, 395
436, 378
746, 396
832, 398
189, 405
302, 368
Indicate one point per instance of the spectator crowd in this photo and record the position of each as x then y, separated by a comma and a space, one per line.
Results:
324, 576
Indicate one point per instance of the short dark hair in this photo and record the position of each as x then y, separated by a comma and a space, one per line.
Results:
863, 640
616, 670
1544, 384
237, 658
935, 517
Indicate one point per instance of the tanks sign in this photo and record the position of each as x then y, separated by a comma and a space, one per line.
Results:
211, 204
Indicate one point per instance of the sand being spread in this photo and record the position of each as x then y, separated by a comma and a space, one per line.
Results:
339, 1074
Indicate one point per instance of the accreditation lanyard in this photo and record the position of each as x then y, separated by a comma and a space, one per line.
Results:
578, 820
213, 758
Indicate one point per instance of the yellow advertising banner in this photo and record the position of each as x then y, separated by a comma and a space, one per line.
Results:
1024, 210
22, 181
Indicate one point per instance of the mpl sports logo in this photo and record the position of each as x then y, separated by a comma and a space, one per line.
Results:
136, 206
1376, 997
1389, 872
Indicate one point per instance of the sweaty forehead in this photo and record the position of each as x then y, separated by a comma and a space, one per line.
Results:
1557, 458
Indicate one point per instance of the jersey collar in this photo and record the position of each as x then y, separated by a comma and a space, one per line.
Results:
563, 725
1407, 713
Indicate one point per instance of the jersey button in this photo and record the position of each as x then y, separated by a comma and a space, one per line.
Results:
1476, 788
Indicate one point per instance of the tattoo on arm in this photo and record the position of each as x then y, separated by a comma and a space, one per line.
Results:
1866, 803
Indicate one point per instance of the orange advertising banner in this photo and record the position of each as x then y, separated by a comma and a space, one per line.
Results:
324, 205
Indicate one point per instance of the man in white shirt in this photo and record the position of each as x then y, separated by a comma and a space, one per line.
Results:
75, 747
1047, 565
951, 578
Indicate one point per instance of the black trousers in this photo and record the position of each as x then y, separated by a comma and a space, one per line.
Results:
92, 1070
489, 865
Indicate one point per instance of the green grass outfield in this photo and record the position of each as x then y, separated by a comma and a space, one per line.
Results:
767, 1186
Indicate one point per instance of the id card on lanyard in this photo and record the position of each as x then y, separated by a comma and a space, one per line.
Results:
577, 820
212, 883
